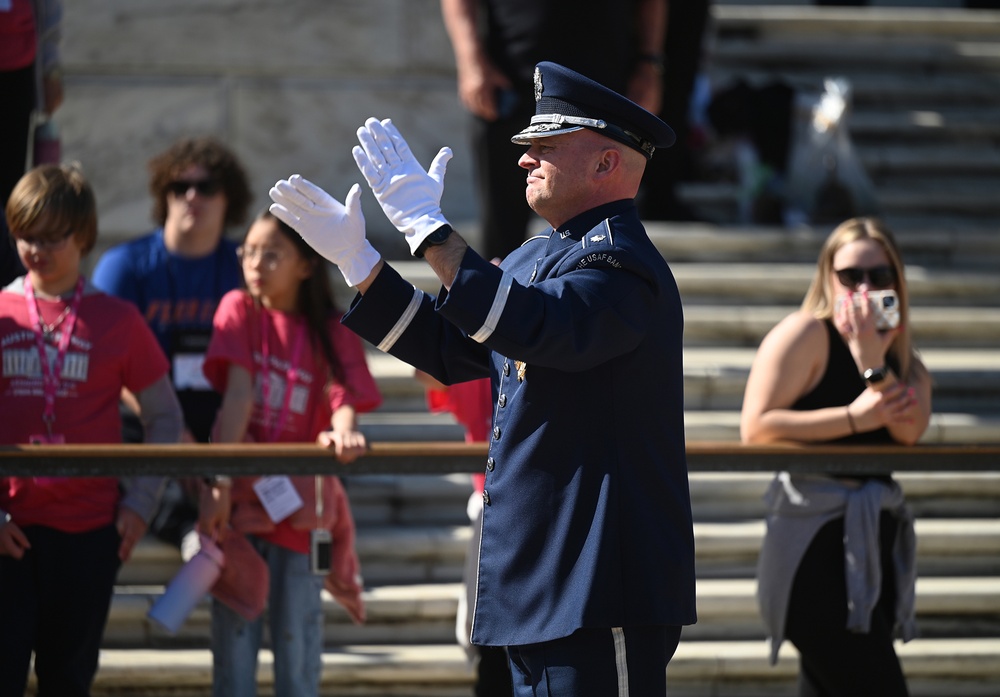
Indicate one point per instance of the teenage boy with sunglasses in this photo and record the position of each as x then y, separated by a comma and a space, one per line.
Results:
176, 275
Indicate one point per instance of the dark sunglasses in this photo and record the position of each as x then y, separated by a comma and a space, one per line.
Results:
878, 276
204, 187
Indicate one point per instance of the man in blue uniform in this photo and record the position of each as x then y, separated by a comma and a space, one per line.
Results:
587, 558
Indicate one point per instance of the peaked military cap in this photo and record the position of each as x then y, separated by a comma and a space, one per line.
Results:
566, 101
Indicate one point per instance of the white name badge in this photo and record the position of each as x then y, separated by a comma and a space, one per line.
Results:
188, 374
279, 497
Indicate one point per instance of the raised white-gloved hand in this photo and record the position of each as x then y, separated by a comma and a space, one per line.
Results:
335, 230
409, 196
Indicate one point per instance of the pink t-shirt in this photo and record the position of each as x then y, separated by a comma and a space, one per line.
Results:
236, 339
111, 347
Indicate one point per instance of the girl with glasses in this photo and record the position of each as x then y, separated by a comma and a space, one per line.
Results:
836, 571
68, 350
288, 372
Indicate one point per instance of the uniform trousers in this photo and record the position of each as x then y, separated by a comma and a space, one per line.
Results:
835, 662
627, 662
54, 602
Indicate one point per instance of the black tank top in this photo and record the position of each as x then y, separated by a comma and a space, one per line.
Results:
840, 385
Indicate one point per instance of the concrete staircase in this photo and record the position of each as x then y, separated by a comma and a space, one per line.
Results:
926, 125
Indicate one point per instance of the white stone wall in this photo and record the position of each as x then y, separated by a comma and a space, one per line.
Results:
285, 84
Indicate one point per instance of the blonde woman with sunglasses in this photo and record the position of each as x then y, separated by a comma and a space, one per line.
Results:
836, 571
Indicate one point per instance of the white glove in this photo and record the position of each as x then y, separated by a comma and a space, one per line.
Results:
409, 196
335, 230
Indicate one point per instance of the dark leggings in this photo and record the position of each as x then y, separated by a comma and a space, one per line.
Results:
54, 602
835, 662
18, 90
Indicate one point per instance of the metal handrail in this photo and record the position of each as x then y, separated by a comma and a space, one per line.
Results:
452, 457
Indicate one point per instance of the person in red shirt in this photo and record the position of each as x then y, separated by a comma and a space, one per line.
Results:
68, 350
288, 372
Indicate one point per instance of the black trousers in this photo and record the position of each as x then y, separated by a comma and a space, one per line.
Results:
493, 673
500, 182
18, 90
54, 602
686, 22
835, 662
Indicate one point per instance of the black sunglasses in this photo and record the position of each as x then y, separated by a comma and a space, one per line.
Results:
878, 276
204, 187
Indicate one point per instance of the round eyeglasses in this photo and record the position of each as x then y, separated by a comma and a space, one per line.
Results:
43, 244
269, 258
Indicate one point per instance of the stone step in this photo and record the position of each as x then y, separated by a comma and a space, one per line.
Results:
715, 378
971, 199
937, 247
413, 554
425, 614
934, 668
945, 547
946, 607
725, 496
748, 282
734, 283
701, 424
906, 56
773, 21
957, 327
934, 160
965, 380
716, 496
870, 86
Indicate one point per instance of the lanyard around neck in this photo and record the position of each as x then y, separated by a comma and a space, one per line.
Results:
51, 374
290, 374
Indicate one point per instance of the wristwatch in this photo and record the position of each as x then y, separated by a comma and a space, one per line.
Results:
437, 237
873, 376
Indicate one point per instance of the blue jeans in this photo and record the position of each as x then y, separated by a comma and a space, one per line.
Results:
296, 628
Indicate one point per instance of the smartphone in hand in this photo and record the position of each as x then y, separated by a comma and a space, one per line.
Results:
885, 307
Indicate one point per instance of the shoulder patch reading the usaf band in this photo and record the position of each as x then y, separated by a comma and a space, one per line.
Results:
598, 242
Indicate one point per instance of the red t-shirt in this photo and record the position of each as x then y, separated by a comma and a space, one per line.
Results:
18, 36
111, 347
471, 403
236, 339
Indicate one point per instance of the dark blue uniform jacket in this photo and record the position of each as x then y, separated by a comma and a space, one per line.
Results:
587, 518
